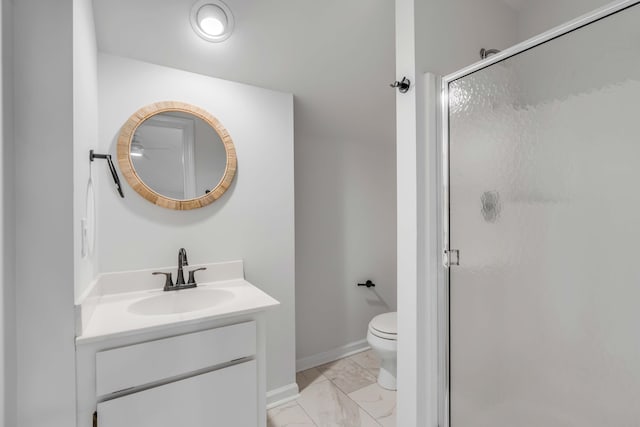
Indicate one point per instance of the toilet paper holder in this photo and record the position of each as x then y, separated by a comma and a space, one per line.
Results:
368, 284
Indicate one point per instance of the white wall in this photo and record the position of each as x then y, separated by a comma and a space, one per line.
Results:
85, 132
337, 58
8, 366
535, 17
3, 320
253, 220
449, 34
442, 37
7, 226
43, 125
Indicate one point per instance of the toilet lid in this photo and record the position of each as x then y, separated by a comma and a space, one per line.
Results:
386, 324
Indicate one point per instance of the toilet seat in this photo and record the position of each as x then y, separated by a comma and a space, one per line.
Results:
385, 326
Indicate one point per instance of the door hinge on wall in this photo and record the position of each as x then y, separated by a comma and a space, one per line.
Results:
451, 257
95, 419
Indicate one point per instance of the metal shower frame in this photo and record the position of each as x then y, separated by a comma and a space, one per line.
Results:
444, 404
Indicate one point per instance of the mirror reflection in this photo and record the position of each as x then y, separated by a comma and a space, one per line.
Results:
178, 155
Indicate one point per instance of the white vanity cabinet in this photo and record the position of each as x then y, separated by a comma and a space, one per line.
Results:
224, 397
136, 365
188, 358
206, 378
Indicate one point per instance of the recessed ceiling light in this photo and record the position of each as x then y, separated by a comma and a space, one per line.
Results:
212, 20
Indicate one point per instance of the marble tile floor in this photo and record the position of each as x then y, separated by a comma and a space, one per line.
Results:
343, 393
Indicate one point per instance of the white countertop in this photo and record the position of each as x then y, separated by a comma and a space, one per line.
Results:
112, 315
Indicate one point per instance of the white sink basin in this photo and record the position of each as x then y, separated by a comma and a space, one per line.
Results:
184, 301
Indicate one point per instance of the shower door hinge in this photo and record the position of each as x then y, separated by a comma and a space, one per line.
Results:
451, 257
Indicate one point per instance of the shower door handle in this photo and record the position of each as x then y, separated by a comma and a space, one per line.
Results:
451, 257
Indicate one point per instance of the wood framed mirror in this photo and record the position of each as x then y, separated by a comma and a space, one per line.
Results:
176, 155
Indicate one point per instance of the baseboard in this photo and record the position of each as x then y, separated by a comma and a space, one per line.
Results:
331, 355
282, 395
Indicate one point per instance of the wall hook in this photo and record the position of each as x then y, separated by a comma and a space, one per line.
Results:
403, 85
112, 168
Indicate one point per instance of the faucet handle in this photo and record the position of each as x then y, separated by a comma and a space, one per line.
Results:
192, 278
168, 283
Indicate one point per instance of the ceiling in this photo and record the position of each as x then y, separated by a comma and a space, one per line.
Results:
336, 57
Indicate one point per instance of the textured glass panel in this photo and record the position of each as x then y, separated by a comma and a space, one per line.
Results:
545, 210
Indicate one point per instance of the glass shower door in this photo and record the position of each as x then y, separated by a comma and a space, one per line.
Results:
544, 196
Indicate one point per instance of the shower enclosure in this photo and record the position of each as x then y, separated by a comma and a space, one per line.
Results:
541, 303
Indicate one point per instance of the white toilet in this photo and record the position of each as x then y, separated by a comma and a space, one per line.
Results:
383, 339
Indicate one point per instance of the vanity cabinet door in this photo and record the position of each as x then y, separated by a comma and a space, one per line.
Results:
222, 398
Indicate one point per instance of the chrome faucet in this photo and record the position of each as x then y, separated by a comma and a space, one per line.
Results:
182, 261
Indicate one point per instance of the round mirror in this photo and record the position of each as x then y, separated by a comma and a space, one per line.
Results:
176, 155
